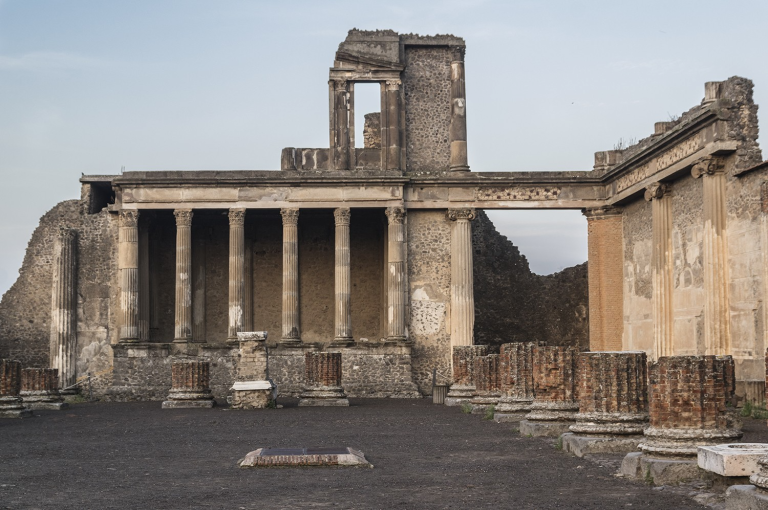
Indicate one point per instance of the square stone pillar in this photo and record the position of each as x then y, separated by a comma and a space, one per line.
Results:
183, 321
10, 387
253, 389
663, 269
128, 268
605, 265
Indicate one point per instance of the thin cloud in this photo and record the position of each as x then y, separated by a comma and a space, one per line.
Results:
49, 61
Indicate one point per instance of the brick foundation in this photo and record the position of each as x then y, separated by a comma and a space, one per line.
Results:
323, 380
463, 388
687, 402
190, 385
40, 388
613, 393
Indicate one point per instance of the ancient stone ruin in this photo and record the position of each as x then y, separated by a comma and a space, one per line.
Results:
382, 252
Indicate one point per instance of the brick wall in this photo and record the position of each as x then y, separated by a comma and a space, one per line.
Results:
606, 279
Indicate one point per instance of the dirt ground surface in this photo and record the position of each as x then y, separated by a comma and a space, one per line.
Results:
137, 455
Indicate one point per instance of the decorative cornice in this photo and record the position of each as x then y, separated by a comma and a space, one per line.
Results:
395, 215
656, 191
599, 213
708, 166
290, 216
129, 218
342, 215
460, 214
183, 217
237, 217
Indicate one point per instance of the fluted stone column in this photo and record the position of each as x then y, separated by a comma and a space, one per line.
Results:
516, 377
605, 266
10, 386
458, 127
183, 323
63, 341
717, 331
343, 286
128, 266
396, 275
462, 289
236, 272
663, 269
291, 321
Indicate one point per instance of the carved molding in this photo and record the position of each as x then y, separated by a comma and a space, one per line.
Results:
656, 191
517, 193
457, 53
129, 218
395, 215
599, 213
183, 217
237, 217
708, 166
342, 215
460, 214
393, 84
290, 216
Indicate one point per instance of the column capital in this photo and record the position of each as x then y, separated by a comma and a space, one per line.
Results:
183, 217
395, 215
600, 213
708, 166
457, 53
460, 214
393, 84
657, 190
340, 85
129, 218
342, 215
290, 216
67, 234
237, 217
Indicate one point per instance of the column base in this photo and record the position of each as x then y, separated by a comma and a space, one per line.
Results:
291, 342
395, 340
189, 404
48, 406
459, 168
544, 428
656, 471
583, 445
342, 342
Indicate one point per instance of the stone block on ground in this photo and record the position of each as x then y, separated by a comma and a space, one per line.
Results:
746, 497
740, 459
252, 394
661, 471
580, 445
544, 428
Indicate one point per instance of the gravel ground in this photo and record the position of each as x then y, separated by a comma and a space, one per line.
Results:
136, 455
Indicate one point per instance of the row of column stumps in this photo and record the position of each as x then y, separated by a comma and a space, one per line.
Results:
22, 390
240, 293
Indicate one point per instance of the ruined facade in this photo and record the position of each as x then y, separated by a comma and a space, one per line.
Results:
383, 253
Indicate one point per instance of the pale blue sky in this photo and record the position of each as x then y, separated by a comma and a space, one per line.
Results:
90, 86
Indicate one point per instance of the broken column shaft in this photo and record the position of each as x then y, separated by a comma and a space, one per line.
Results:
40, 389
463, 388
555, 380
485, 374
10, 386
516, 377
323, 380
190, 385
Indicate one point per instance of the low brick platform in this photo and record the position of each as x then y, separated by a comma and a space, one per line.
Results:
303, 457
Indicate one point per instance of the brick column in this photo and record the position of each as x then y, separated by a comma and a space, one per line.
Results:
463, 388
687, 401
717, 331
462, 286
10, 386
516, 377
486, 376
63, 340
128, 267
613, 393
183, 320
40, 389
323, 380
663, 269
291, 325
236, 272
458, 127
343, 282
397, 294
555, 384
190, 385
606, 278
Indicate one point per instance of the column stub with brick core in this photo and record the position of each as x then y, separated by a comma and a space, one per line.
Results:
689, 399
128, 267
323, 375
663, 269
717, 331
462, 288
463, 359
606, 278
291, 320
183, 320
236, 272
486, 376
63, 340
343, 283
40, 389
10, 387
613, 393
555, 380
516, 378
458, 127
190, 385
397, 292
